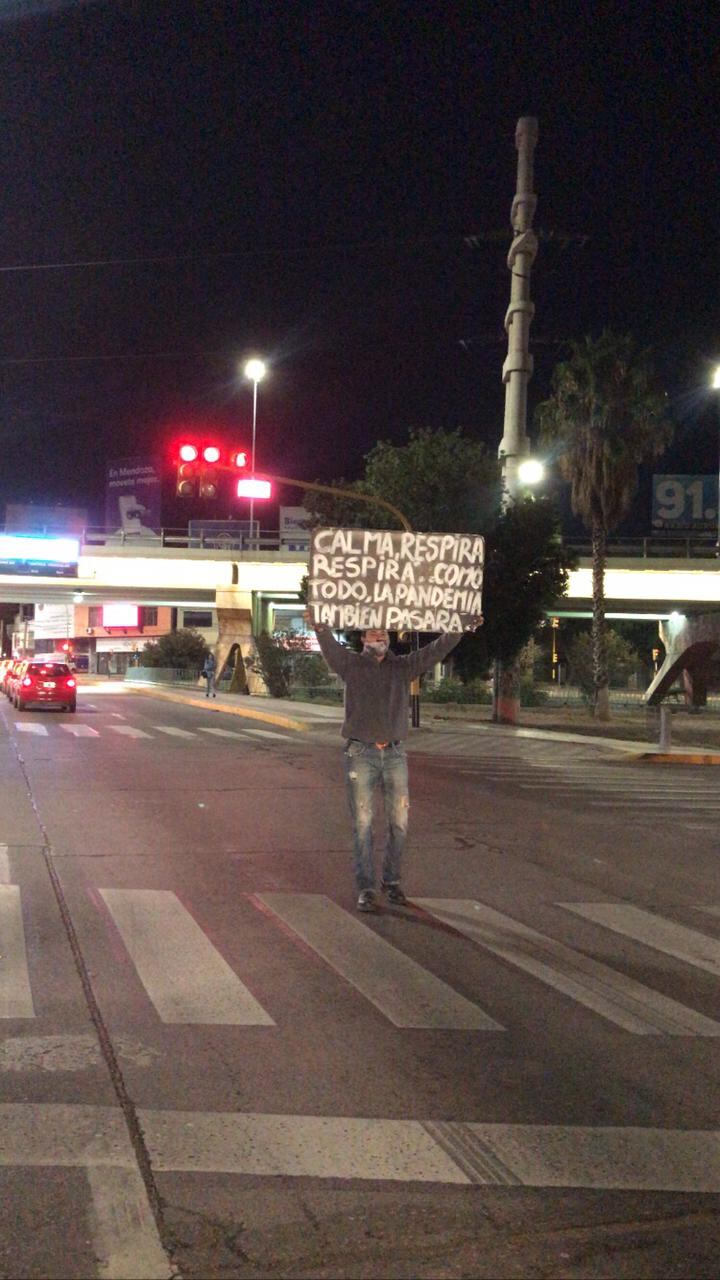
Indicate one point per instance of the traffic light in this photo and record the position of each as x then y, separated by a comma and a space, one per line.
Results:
239, 459
187, 471
209, 479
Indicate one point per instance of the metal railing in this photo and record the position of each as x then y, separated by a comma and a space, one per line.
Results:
681, 546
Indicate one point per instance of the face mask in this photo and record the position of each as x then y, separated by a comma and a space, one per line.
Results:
376, 647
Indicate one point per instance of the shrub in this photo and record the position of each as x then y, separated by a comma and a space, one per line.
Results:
184, 649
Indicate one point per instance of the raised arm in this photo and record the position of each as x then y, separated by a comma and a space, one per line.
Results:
422, 660
336, 655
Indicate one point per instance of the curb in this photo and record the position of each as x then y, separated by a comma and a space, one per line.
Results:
268, 717
681, 757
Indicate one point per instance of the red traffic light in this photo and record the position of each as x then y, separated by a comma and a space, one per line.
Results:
188, 452
240, 458
211, 453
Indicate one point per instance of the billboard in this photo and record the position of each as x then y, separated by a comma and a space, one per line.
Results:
133, 497
35, 556
54, 621
294, 528
400, 581
685, 502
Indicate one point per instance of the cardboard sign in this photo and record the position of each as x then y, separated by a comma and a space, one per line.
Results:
363, 578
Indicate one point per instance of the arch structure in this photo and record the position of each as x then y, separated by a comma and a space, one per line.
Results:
692, 655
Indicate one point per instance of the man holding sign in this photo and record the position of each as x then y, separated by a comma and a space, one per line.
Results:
377, 681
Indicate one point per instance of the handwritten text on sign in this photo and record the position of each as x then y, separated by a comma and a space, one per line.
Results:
402, 581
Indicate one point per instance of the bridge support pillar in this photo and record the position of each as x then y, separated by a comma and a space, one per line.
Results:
235, 637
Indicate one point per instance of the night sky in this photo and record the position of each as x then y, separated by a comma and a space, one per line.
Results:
305, 176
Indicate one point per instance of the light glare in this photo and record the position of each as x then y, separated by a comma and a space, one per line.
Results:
188, 452
255, 369
716, 378
253, 489
531, 471
211, 453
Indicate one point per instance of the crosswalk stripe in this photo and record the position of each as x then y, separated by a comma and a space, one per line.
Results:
268, 733
401, 989
614, 996
653, 931
23, 727
223, 733
174, 733
80, 730
124, 1233
15, 992
4, 865
185, 977
347, 1148
129, 731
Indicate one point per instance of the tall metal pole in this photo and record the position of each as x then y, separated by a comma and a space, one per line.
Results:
518, 366
252, 463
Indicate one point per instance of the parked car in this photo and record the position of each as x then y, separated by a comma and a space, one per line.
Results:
40, 683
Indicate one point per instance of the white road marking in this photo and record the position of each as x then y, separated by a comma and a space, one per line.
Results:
185, 977
4, 865
224, 733
614, 996
23, 727
653, 931
268, 733
80, 730
15, 992
129, 731
125, 1237
405, 992
608, 1158
174, 733
117, 715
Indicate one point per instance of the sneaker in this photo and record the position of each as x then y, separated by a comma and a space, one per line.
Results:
394, 895
367, 900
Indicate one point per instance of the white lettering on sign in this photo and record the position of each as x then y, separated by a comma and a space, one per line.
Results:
361, 578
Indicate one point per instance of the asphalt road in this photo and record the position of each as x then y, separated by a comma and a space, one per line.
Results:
212, 1066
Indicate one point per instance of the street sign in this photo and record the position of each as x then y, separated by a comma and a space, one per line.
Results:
399, 581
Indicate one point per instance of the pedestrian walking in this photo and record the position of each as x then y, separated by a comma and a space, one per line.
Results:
209, 674
377, 688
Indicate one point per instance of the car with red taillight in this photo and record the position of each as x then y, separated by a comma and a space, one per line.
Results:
41, 683
8, 676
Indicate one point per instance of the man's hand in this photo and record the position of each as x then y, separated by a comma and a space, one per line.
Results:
475, 623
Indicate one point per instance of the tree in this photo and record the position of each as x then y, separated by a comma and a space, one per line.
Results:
445, 482
440, 480
622, 660
184, 649
604, 417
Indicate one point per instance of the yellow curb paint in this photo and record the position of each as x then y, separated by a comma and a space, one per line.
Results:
269, 717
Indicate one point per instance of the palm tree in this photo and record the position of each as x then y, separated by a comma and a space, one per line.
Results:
604, 417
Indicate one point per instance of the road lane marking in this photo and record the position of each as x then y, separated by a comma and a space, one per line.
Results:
614, 996
125, 1237
15, 992
118, 715
405, 992
23, 727
269, 733
653, 931
129, 731
459, 1153
175, 733
4, 865
80, 730
185, 977
224, 733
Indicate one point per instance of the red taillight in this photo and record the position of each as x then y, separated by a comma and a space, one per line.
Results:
27, 681
71, 683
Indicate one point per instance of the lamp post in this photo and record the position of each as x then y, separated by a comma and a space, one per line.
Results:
255, 370
715, 385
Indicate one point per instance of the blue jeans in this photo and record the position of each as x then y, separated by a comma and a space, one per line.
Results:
366, 768
210, 679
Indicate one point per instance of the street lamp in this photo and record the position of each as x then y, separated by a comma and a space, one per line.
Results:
254, 370
531, 471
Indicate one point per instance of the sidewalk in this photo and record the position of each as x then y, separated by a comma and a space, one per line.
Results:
303, 716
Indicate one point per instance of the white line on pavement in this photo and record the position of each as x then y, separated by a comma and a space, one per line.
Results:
4, 865
15, 992
129, 731
224, 733
405, 992
620, 1158
174, 733
614, 996
80, 730
124, 1233
269, 733
23, 727
184, 976
653, 931
117, 715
